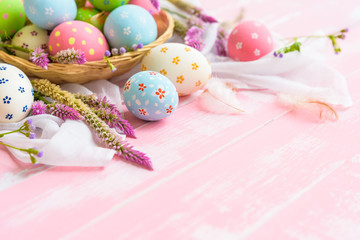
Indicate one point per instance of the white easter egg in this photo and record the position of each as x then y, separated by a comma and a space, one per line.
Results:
186, 67
16, 94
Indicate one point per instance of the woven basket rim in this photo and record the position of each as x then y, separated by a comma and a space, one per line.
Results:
64, 72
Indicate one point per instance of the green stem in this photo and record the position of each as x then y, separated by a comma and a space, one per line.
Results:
20, 149
3, 134
15, 47
176, 13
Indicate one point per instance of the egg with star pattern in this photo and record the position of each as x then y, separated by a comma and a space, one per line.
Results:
16, 94
48, 14
128, 25
249, 41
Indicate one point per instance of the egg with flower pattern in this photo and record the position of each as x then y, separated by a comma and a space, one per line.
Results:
80, 36
30, 37
16, 94
249, 41
150, 96
48, 14
12, 17
108, 5
186, 67
128, 25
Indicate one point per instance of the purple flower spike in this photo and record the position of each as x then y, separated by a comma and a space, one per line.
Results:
208, 19
38, 108
65, 112
156, 4
40, 58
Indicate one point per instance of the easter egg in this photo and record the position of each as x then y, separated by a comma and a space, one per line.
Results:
30, 37
85, 13
186, 67
150, 96
12, 17
48, 14
108, 5
80, 36
128, 25
249, 41
16, 94
146, 4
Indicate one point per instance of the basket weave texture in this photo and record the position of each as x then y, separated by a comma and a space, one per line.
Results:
94, 70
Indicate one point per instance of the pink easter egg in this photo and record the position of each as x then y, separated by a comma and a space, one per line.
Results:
80, 36
249, 41
146, 4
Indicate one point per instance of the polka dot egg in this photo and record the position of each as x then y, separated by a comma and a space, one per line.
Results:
186, 67
48, 14
249, 40
128, 25
16, 94
12, 17
150, 96
30, 37
80, 36
108, 5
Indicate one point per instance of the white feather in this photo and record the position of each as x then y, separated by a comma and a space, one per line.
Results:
220, 98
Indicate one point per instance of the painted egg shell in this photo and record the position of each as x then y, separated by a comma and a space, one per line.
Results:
48, 14
80, 36
128, 25
108, 5
12, 17
85, 13
249, 41
16, 94
146, 4
150, 96
186, 67
30, 37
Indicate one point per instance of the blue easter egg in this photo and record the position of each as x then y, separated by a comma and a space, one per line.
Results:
48, 14
150, 96
128, 25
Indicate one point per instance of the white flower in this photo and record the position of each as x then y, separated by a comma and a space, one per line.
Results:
32, 9
49, 11
50, 25
257, 52
124, 15
66, 16
127, 31
138, 37
238, 45
254, 36
111, 32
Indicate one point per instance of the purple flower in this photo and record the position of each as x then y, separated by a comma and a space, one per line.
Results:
207, 18
32, 135
122, 50
196, 21
140, 46
107, 53
38, 107
39, 58
115, 51
134, 47
70, 56
221, 42
156, 4
40, 154
196, 43
64, 112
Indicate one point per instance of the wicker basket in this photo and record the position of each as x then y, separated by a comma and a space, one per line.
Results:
74, 73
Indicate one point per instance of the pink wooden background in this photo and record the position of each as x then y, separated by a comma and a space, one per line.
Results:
269, 174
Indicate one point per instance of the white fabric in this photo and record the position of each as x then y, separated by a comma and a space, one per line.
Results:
65, 143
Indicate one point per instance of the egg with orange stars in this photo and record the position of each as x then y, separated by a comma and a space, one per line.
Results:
80, 36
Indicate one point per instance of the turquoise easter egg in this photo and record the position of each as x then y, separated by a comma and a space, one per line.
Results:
128, 25
150, 96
